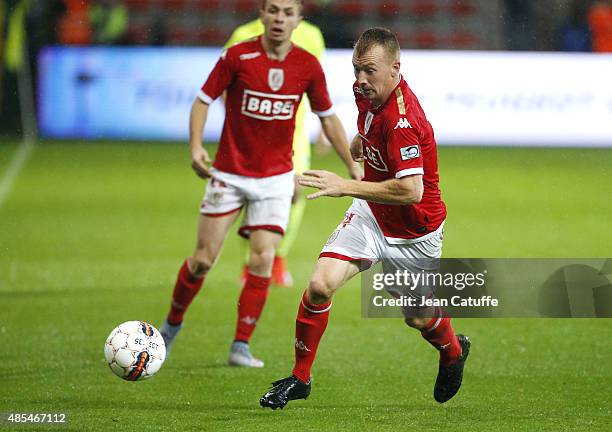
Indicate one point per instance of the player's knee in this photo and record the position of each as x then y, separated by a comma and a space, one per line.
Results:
199, 266
262, 257
319, 291
416, 322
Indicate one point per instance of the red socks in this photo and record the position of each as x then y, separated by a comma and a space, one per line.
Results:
439, 332
312, 321
251, 303
185, 289
309, 328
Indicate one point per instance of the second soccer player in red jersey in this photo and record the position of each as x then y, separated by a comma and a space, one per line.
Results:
264, 79
397, 217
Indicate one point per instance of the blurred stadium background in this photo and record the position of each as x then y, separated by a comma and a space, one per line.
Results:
436, 28
98, 207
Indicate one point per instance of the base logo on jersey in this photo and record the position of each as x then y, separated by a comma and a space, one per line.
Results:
265, 106
374, 159
410, 152
276, 78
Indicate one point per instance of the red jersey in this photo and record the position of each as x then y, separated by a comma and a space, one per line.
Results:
263, 96
398, 141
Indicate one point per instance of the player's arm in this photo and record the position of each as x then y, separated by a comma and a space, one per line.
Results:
217, 82
200, 160
334, 131
399, 191
404, 158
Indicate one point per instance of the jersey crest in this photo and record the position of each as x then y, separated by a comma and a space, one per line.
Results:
276, 78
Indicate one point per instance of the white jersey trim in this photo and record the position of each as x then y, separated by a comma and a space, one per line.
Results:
205, 98
408, 172
325, 113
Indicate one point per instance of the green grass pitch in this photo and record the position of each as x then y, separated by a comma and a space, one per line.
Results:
92, 234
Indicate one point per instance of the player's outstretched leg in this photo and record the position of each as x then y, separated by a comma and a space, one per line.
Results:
450, 376
285, 390
310, 324
453, 349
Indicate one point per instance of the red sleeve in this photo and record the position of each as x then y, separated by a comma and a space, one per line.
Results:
220, 77
403, 147
318, 95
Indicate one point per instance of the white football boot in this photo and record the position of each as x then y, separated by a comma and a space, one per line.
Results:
240, 355
169, 332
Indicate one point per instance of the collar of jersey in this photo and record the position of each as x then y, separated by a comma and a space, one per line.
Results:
266, 53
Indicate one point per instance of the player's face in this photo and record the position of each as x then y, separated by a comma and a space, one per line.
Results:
280, 18
376, 73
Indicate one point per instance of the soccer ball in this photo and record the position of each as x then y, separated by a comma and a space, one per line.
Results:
135, 350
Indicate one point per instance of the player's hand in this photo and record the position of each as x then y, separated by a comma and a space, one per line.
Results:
357, 149
328, 183
200, 162
355, 171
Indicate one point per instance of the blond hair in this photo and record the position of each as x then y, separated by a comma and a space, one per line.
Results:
378, 36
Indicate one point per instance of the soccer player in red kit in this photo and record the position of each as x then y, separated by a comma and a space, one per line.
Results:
264, 79
397, 214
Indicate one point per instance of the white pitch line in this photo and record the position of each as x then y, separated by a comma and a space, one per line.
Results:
19, 159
